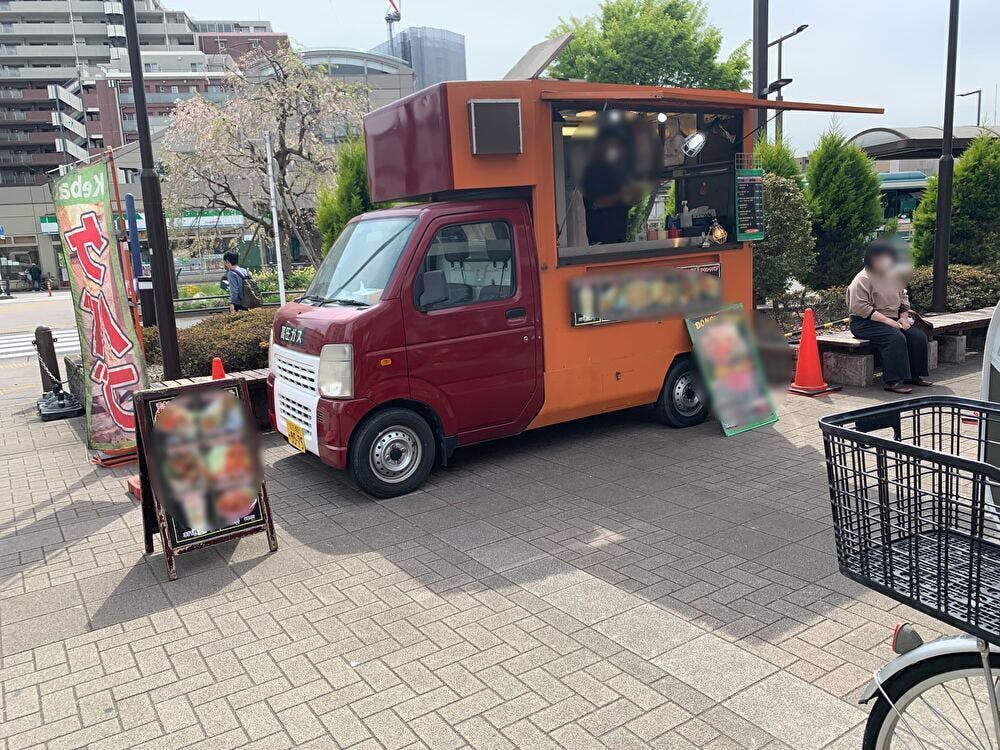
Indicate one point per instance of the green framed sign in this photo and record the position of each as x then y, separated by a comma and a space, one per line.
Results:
749, 204
731, 370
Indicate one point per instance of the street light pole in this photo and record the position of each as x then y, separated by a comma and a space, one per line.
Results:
760, 45
274, 217
946, 171
979, 104
779, 119
156, 225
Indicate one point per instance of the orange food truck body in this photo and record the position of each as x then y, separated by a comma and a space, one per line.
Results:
483, 311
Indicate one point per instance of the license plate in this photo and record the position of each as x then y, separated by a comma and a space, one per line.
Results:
291, 335
296, 436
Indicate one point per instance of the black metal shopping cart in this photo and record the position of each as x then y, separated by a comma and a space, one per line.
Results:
915, 488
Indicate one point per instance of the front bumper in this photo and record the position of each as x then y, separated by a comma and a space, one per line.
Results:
327, 423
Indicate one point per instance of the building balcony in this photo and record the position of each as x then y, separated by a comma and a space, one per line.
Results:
158, 97
155, 123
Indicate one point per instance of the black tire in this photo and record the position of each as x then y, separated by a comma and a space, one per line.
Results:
387, 440
683, 402
897, 687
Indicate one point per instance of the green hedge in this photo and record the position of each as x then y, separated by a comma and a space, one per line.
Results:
969, 287
239, 338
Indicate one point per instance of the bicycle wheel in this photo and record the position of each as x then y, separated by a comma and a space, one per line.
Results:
938, 704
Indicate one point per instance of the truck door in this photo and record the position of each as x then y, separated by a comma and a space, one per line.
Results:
472, 322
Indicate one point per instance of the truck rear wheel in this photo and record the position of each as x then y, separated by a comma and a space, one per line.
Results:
683, 402
391, 453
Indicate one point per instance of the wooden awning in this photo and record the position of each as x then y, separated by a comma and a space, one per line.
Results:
589, 93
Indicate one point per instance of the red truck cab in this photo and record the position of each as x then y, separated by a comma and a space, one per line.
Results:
429, 311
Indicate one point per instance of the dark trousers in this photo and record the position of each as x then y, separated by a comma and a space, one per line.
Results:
903, 353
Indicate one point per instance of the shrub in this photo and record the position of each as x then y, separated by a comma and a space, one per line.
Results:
975, 209
349, 198
267, 281
829, 304
843, 192
239, 338
788, 248
777, 157
969, 287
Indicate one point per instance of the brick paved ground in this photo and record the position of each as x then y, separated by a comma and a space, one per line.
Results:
608, 583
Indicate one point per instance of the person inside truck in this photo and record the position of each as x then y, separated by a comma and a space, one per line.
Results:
603, 186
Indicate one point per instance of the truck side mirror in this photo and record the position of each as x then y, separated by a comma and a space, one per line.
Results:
435, 289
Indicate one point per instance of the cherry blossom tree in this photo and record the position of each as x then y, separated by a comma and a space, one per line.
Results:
215, 157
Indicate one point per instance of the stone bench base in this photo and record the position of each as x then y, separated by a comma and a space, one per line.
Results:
857, 367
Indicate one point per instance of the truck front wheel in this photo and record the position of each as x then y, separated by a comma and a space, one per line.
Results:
391, 453
683, 401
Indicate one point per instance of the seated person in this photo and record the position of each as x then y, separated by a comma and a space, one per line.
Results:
880, 312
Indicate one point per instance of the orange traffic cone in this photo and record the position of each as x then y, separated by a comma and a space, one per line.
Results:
217, 372
808, 370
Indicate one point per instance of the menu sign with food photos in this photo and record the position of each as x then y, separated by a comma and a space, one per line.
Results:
749, 204
200, 470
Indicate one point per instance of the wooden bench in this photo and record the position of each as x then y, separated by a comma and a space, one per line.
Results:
851, 361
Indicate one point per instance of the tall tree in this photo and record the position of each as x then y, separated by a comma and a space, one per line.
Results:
843, 193
214, 154
788, 250
777, 157
975, 209
349, 197
650, 42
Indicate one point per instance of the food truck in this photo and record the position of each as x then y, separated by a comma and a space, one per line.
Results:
545, 240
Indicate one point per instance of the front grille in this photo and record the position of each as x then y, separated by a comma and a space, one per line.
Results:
300, 413
296, 371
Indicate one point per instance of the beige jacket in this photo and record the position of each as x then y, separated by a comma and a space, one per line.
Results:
871, 292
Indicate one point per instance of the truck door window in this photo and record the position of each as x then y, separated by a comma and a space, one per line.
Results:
477, 260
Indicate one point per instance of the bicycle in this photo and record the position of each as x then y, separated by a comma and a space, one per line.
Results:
912, 488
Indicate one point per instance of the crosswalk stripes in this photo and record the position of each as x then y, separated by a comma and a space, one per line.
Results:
18, 345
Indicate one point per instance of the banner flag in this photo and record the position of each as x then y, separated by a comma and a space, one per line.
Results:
113, 364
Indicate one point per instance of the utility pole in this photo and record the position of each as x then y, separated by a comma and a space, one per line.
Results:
760, 45
979, 105
152, 200
274, 217
946, 170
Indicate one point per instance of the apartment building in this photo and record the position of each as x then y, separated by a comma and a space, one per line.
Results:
66, 94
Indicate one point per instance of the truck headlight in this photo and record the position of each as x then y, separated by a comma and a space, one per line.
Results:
336, 371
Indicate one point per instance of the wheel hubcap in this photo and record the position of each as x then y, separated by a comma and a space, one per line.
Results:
687, 395
395, 454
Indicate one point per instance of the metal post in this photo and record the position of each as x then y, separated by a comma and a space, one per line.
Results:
979, 105
780, 116
156, 225
946, 170
48, 363
274, 218
760, 81
133, 235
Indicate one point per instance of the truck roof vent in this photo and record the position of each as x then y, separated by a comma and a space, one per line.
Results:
495, 126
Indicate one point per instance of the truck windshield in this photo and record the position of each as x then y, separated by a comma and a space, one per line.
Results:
361, 261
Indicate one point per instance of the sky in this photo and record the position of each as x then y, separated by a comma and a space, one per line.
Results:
883, 53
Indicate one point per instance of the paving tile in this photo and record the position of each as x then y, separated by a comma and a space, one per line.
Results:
41, 602
592, 601
469, 535
713, 666
546, 575
797, 713
505, 554
649, 630
38, 631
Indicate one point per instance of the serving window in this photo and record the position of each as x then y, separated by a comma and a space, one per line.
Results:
643, 182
